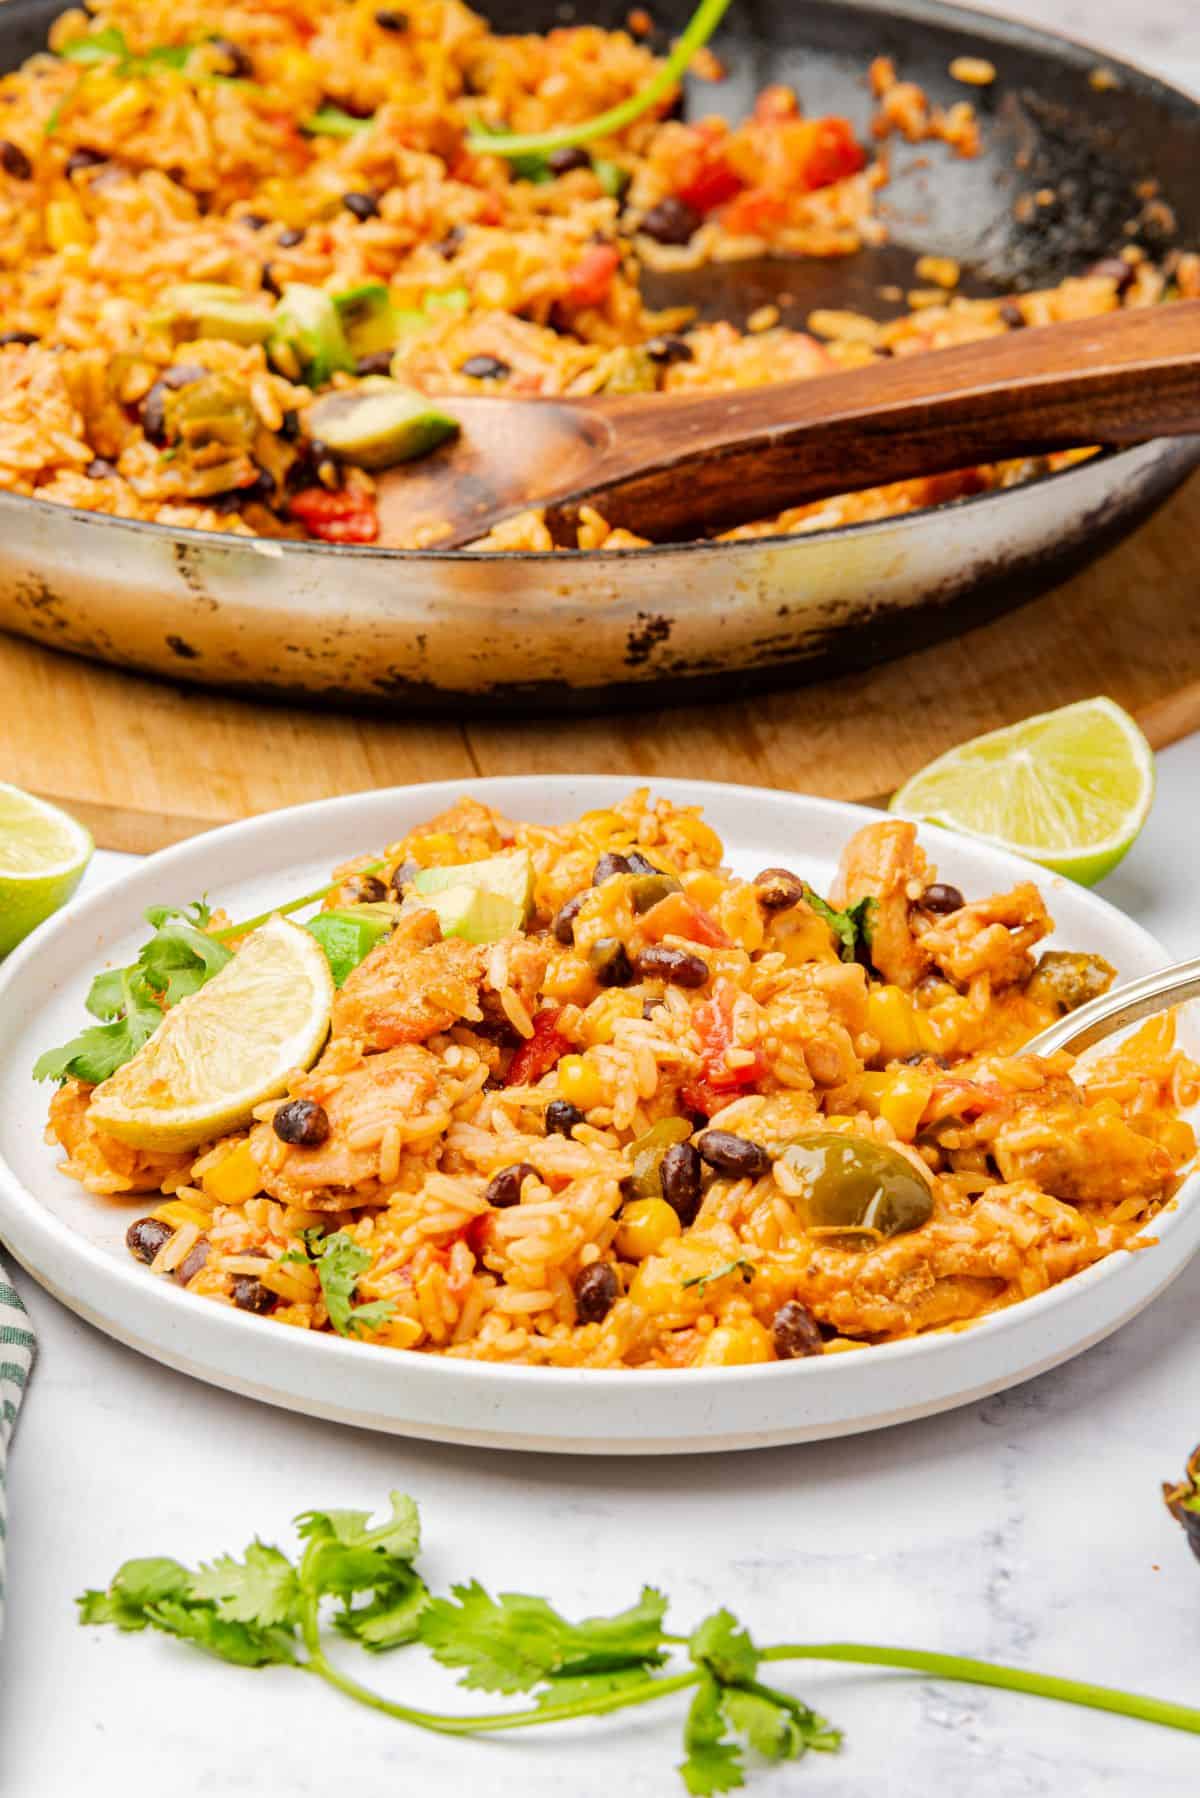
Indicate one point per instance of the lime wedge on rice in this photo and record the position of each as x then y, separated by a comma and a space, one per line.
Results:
43, 853
227, 1048
1069, 789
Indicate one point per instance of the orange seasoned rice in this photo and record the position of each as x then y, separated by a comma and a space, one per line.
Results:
498, 1115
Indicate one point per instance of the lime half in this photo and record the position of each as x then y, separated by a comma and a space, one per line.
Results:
1070, 789
43, 853
227, 1048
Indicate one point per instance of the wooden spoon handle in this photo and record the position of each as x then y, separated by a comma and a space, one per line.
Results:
716, 460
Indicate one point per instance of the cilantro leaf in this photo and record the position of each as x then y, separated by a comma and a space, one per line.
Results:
135, 1585
722, 1646
179, 959
513, 1642
101, 1049
346, 939
332, 121
584, 1688
767, 1727
399, 1534
713, 1763
339, 1260
262, 1588
391, 1619
199, 913
851, 927
97, 46
701, 1281
245, 1644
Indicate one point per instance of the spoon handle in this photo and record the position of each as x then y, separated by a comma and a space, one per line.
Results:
1124, 1005
722, 459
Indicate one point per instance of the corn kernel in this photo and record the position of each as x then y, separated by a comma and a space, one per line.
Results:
599, 1021
579, 1082
569, 979
891, 1018
645, 1226
703, 888
234, 1180
178, 1212
294, 1282
903, 1103
736, 1345
66, 224
400, 1332
1178, 1139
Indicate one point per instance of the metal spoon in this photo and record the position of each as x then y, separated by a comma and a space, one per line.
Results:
1125, 1004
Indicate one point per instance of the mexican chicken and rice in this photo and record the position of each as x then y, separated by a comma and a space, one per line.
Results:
214, 218
590, 1100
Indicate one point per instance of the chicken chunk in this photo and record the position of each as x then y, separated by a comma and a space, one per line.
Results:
884, 863
399, 1087
99, 1161
1080, 1155
992, 936
411, 985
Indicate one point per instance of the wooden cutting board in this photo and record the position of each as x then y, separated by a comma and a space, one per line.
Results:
145, 763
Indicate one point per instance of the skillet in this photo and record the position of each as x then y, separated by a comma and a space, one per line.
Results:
511, 635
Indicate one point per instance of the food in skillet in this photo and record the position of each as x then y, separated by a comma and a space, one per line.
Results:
588, 1100
246, 253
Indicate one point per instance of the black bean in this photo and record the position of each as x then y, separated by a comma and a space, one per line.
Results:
561, 162
564, 919
153, 413
778, 889
562, 1117
254, 221
99, 469
796, 1332
22, 337
146, 1236
290, 425
1011, 315
267, 278
504, 1188
238, 65
287, 240
609, 962
597, 1290
676, 966
638, 863
486, 368
363, 206
680, 1174
83, 158
301, 1121
607, 866
671, 221
388, 19
1116, 268
448, 247
249, 1294
182, 374
14, 161
941, 899
364, 889
734, 1155
193, 1261
377, 362
665, 350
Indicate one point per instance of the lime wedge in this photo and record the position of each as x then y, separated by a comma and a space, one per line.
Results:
43, 853
227, 1048
1069, 789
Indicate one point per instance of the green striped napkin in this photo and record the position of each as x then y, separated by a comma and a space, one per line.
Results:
16, 1357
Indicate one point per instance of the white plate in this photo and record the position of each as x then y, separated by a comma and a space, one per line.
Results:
73, 1243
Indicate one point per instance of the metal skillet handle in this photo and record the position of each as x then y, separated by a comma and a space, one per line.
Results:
1125, 1004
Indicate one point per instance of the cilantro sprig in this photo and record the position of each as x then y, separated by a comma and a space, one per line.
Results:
851, 927
339, 1260
358, 1578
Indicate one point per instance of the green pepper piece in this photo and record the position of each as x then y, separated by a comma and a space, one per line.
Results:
854, 1184
647, 1154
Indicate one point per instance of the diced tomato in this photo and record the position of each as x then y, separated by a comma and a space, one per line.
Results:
756, 213
592, 276
776, 102
539, 1052
714, 1026
476, 1233
710, 183
342, 516
832, 153
677, 915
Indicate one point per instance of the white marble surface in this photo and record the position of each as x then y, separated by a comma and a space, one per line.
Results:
1025, 1528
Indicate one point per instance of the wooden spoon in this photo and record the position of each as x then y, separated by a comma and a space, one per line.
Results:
686, 465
